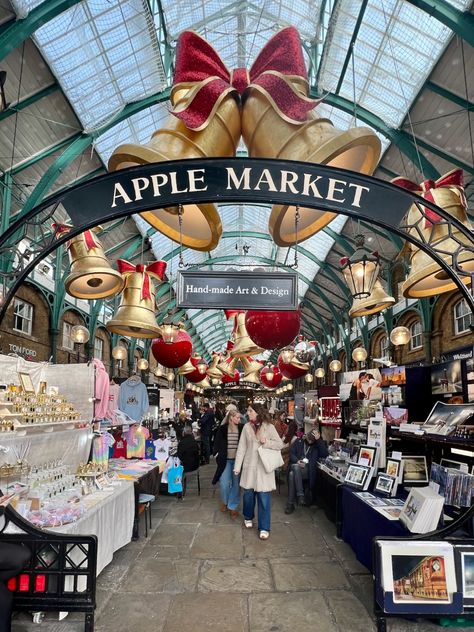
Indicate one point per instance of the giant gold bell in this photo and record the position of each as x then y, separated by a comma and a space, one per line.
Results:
135, 316
213, 371
91, 275
243, 344
426, 277
187, 367
251, 369
377, 301
227, 365
268, 135
201, 224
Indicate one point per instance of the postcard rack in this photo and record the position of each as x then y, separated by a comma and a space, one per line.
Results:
384, 605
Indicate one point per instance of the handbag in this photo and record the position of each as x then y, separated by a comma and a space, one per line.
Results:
175, 479
271, 459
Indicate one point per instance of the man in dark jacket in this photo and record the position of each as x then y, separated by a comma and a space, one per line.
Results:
206, 423
304, 454
188, 450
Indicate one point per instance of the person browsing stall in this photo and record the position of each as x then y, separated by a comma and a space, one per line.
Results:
304, 454
206, 423
255, 480
225, 449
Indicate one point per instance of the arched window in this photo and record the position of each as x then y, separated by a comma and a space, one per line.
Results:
462, 317
416, 336
384, 347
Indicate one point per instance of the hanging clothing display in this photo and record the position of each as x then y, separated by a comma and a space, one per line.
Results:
119, 447
150, 450
136, 438
133, 398
114, 394
162, 449
100, 448
101, 390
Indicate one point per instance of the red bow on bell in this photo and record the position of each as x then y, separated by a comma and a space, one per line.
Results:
156, 269
451, 179
89, 237
198, 63
233, 313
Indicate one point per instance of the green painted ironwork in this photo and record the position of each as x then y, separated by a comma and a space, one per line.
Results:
461, 23
49, 151
350, 48
450, 96
33, 98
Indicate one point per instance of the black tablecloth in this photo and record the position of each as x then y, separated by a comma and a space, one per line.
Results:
361, 523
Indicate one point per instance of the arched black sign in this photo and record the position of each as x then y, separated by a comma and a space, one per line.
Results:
142, 188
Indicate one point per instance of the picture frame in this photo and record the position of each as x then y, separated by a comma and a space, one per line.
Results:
415, 470
26, 382
385, 484
393, 467
431, 562
369, 453
464, 558
358, 476
455, 465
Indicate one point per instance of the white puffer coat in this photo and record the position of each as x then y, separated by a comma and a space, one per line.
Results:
248, 460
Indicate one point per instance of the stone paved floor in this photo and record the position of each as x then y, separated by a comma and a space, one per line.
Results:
200, 571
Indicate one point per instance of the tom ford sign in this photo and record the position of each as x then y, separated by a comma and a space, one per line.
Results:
238, 290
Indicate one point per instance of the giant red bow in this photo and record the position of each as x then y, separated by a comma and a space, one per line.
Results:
451, 179
156, 269
198, 63
88, 236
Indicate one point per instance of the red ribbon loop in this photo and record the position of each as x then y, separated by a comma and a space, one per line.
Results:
156, 270
452, 179
89, 238
198, 64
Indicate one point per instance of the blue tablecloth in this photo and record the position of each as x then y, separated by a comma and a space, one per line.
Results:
361, 523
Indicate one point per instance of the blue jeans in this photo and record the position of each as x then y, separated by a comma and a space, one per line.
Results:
264, 502
229, 486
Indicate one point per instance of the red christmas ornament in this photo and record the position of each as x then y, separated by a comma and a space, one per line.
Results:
196, 376
270, 376
226, 379
289, 370
272, 330
174, 354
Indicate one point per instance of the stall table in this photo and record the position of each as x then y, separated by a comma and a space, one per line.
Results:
361, 523
146, 476
328, 497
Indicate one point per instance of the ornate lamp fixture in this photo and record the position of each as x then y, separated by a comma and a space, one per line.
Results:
335, 366
360, 270
320, 372
308, 378
142, 364
80, 334
169, 331
287, 355
119, 353
359, 354
158, 372
399, 336
170, 376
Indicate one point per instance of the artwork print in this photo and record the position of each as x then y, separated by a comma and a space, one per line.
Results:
419, 579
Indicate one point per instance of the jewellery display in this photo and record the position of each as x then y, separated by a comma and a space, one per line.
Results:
19, 409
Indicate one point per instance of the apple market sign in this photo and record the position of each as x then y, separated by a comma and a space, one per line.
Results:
222, 180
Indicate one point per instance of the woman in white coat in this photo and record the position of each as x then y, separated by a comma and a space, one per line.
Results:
256, 482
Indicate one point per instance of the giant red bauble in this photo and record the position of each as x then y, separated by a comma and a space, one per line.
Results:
290, 371
276, 379
273, 330
173, 354
196, 376
226, 379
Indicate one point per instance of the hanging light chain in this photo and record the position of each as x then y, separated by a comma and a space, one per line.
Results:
180, 221
297, 219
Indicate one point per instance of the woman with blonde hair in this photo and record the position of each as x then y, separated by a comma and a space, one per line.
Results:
255, 480
226, 441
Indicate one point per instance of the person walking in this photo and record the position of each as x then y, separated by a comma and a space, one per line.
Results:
225, 448
256, 482
206, 424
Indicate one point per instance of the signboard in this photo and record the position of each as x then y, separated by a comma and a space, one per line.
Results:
238, 290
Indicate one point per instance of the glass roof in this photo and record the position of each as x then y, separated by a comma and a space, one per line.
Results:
106, 55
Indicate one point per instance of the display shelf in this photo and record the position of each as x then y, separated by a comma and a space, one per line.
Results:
427, 438
23, 430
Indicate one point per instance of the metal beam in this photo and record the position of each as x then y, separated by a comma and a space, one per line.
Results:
445, 156
26, 102
350, 48
461, 23
65, 142
450, 96
16, 31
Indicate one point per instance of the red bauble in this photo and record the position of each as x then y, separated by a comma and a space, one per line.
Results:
173, 354
290, 371
226, 379
272, 330
276, 379
196, 376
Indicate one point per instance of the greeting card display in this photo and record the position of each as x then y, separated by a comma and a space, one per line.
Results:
422, 510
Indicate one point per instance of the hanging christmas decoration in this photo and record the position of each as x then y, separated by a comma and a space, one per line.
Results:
292, 370
196, 376
243, 344
272, 330
270, 376
175, 354
251, 369
305, 351
213, 371
227, 379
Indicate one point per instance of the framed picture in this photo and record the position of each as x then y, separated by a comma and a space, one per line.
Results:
358, 475
386, 484
393, 467
455, 465
465, 573
418, 572
415, 470
26, 383
368, 453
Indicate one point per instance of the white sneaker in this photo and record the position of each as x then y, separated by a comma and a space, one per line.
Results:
264, 535
248, 524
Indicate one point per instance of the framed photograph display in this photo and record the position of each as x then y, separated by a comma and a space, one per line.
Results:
415, 470
358, 476
394, 467
386, 484
455, 465
465, 573
26, 383
367, 455
418, 572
